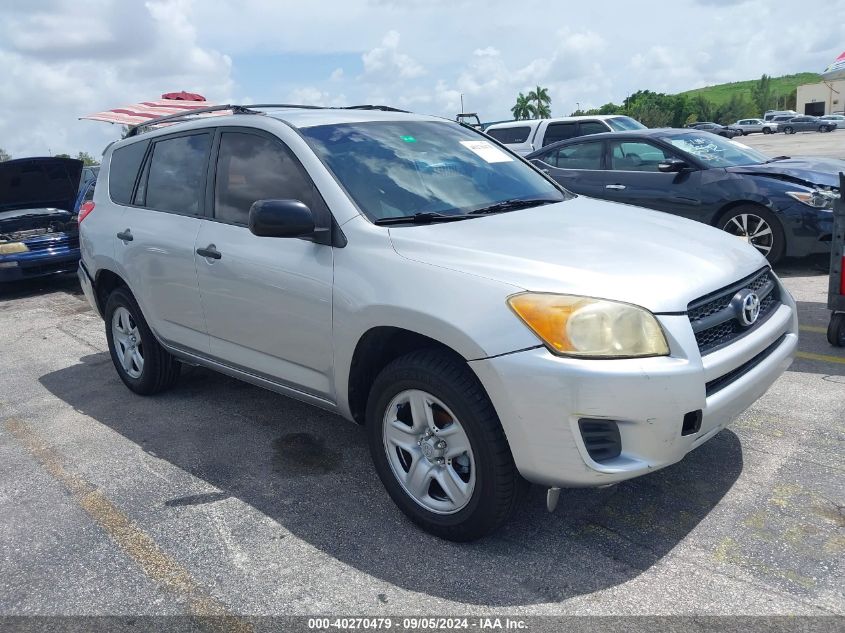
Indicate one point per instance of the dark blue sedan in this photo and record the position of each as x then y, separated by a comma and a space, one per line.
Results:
782, 206
39, 234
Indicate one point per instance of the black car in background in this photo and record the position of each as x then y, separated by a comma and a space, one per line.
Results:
39, 234
782, 206
715, 128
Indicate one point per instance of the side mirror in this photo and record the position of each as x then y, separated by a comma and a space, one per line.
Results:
672, 165
280, 218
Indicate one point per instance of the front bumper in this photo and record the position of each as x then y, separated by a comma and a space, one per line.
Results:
28, 265
540, 399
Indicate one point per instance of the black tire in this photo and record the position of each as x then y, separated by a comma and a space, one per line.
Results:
788, 130
767, 130
778, 241
836, 330
498, 485
160, 370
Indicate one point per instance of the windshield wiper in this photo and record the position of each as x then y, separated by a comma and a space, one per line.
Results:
771, 160
511, 205
421, 218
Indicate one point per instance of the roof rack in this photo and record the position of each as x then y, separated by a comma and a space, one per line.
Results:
185, 116
250, 109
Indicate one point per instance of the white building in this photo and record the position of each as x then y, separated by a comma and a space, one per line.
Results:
826, 97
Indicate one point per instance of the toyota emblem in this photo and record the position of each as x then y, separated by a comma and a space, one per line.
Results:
750, 309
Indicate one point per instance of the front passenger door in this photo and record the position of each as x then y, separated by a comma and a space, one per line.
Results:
267, 301
633, 177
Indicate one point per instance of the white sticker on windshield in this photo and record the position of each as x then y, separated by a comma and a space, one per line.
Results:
487, 151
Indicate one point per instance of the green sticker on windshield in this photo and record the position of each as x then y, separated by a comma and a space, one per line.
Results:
408, 139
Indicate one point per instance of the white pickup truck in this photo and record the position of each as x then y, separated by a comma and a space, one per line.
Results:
523, 137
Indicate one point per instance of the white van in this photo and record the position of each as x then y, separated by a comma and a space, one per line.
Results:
524, 137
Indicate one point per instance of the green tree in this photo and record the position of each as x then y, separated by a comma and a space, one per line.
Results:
62, 155
86, 159
542, 102
4, 155
763, 95
523, 108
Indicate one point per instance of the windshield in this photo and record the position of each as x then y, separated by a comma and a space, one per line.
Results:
715, 151
622, 123
402, 168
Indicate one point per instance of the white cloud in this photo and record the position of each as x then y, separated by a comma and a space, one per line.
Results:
387, 61
55, 67
63, 58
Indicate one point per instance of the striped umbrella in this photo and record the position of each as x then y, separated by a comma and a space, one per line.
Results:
142, 112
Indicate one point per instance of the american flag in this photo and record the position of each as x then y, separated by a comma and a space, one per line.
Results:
138, 113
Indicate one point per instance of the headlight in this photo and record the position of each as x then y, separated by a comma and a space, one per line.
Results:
13, 247
590, 328
818, 198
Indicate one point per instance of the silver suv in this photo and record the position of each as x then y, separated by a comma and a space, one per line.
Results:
487, 327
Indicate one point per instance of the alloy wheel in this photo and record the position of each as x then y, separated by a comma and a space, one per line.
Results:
428, 451
753, 229
127, 342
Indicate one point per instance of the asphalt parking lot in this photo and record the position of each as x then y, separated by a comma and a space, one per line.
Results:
830, 144
221, 498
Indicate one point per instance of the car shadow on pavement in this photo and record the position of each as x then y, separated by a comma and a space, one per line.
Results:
310, 471
40, 285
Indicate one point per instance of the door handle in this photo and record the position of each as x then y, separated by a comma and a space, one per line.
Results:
125, 236
209, 251
615, 187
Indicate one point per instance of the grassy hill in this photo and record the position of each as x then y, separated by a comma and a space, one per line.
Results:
721, 93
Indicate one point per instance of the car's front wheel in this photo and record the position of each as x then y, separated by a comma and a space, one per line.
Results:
767, 130
141, 362
788, 130
824, 128
439, 448
757, 226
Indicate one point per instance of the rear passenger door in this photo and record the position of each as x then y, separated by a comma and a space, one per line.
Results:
576, 166
267, 301
158, 229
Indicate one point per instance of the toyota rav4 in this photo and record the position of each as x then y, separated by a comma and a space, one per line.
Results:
485, 326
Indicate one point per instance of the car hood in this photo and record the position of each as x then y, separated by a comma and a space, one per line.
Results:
809, 170
588, 247
38, 183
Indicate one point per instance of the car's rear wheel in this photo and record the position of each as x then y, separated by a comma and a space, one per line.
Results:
788, 130
439, 448
141, 362
757, 226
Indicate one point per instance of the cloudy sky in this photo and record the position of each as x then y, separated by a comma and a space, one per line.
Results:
60, 59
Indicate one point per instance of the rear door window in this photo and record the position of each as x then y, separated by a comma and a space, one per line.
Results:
252, 167
508, 135
176, 174
123, 171
593, 127
559, 132
579, 156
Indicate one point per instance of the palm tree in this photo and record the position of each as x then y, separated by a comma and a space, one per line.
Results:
523, 108
541, 101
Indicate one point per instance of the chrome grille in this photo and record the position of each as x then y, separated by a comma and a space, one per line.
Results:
717, 324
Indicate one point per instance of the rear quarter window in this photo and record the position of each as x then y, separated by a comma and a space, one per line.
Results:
123, 171
508, 135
